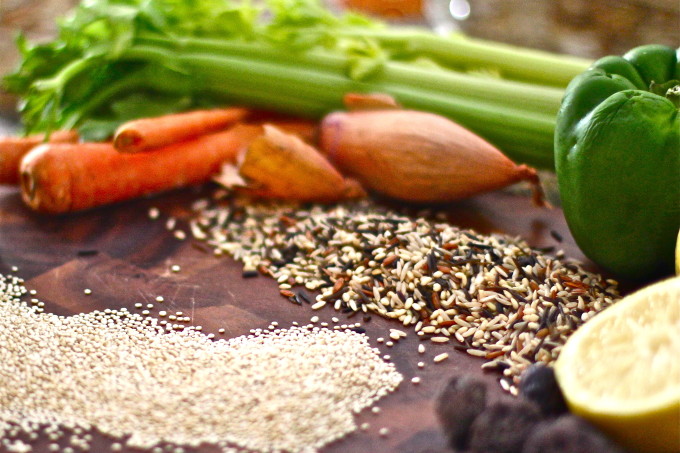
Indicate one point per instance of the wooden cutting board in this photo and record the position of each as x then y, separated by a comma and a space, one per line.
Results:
125, 258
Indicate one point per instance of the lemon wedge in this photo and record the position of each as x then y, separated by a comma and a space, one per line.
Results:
621, 369
677, 255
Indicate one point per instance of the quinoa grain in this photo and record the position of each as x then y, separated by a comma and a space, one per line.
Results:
124, 374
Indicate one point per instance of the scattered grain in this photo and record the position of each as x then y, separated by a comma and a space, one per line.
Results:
125, 375
441, 357
488, 293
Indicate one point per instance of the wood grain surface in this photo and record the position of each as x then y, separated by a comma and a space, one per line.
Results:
125, 258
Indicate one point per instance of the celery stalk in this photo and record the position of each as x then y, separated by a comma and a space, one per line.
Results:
459, 51
291, 56
525, 134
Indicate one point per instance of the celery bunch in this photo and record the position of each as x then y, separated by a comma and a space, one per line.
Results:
115, 60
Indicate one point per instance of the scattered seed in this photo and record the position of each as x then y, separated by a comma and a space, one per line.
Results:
319, 305
441, 357
329, 376
484, 293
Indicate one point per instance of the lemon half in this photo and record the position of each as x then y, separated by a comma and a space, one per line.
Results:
677, 255
621, 369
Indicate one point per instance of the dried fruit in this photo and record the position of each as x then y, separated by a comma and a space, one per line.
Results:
461, 400
503, 427
538, 384
568, 434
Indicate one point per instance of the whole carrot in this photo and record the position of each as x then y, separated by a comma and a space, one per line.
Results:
12, 149
59, 178
148, 133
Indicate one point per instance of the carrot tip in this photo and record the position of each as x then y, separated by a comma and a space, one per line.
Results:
28, 185
125, 140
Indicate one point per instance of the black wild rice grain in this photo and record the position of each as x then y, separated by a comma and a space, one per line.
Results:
366, 259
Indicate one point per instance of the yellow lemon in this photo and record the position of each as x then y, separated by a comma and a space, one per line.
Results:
621, 369
677, 255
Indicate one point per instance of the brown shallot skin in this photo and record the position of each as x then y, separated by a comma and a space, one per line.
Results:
416, 156
283, 166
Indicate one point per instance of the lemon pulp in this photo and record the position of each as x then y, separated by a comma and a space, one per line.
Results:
621, 369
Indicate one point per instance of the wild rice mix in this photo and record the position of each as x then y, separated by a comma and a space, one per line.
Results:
274, 390
491, 295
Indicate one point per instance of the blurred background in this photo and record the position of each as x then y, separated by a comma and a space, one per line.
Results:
588, 28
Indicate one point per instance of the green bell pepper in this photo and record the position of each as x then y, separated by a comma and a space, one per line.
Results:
617, 159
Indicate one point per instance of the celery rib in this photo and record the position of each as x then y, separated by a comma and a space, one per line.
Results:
255, 80
514, 62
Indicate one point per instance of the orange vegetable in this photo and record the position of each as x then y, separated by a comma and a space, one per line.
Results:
13, 149
148, 133
392, 9
417, 156
369, 101
59, 178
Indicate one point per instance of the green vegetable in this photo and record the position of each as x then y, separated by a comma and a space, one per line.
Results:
617, 158
117, 59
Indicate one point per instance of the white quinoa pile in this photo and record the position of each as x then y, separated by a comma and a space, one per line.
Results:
493, 296
291, 389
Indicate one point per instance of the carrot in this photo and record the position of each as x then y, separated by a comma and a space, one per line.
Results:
147, 133
60, 178
12, 149
369, 101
